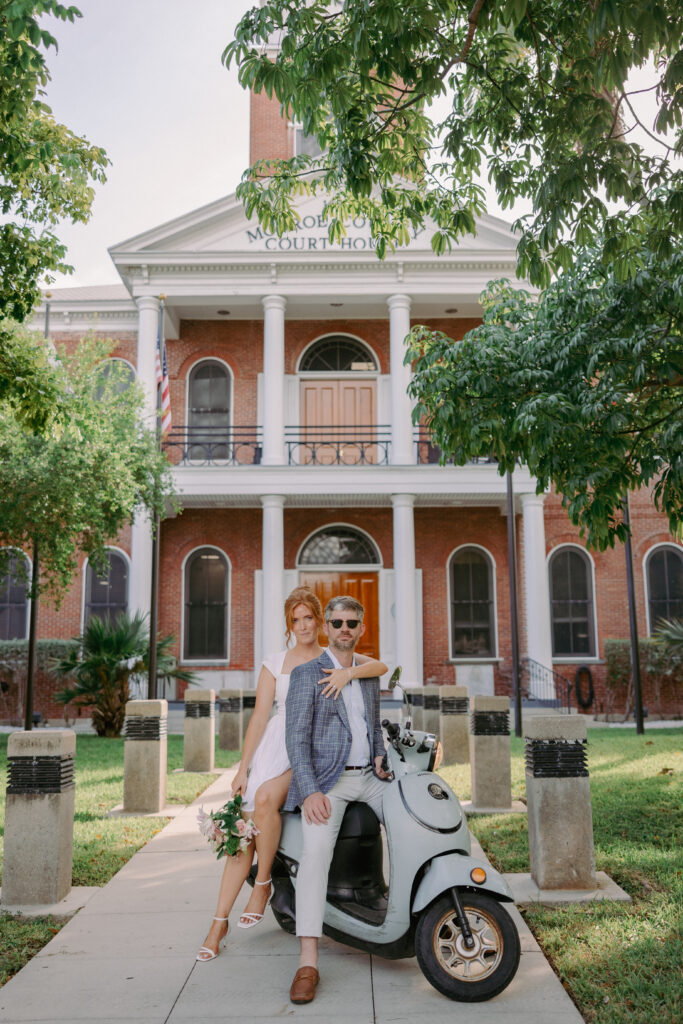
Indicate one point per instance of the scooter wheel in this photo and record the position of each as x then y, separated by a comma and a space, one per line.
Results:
468, 975
287, 923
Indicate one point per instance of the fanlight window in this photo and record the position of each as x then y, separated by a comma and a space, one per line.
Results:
472, 625
14, 598
106, 595
339, 545
665, 584
119, 372
338, 354
571, 604
206, 606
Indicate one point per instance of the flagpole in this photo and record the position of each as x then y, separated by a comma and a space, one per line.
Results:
156, 526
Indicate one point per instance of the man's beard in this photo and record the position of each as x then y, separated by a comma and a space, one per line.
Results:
343, 645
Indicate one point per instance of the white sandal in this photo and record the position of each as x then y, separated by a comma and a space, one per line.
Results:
210, 955
251, 920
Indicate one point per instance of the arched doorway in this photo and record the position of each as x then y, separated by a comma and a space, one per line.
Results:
340, 559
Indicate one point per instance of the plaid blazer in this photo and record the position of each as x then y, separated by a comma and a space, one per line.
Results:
318, 733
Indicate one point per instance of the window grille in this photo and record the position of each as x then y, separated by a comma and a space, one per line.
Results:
338, 354
14, 598
571, 604
106, 595
665, 584
206, 606
339, 545
472, 626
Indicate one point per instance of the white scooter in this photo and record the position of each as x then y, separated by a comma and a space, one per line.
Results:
442, 905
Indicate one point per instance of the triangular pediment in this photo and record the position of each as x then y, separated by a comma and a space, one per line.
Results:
223, 228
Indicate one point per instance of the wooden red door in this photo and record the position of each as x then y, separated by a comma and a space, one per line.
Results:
363, 586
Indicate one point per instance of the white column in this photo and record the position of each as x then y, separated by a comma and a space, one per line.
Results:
539, 643
273, 561
140, 581
148, 327
405, 598
402, 449
274, 380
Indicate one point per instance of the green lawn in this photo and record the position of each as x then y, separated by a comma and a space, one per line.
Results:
101, 845
620, 963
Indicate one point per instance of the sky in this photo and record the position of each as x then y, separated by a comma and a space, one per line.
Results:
143, 79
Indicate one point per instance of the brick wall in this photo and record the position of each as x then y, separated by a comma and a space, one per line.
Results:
269, 136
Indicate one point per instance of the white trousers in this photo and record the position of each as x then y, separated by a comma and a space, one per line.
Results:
318, 848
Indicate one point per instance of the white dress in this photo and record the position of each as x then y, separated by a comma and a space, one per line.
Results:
270, 757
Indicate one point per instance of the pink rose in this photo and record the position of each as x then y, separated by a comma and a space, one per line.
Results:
241, 827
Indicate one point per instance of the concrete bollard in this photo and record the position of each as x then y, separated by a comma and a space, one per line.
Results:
200, 725
431, 709
230, 719
145, 756
490, 753
454, 727
39, 817
559, 803
248, 705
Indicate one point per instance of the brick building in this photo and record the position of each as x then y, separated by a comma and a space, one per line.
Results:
296, 460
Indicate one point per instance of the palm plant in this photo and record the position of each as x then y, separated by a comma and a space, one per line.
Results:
100, 666
669, 634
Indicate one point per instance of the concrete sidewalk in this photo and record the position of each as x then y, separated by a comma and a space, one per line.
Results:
129, 955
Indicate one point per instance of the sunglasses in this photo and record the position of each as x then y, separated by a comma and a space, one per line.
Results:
338, 623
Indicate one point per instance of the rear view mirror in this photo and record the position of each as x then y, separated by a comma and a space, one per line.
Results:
395, 676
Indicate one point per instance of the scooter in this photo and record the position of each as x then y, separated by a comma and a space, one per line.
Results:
442, 905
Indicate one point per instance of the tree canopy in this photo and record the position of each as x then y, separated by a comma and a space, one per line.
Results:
73, 489
47, 172
539, 100
412, 102
582, 384
30, 381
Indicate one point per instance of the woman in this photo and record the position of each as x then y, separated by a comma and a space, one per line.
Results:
264, 774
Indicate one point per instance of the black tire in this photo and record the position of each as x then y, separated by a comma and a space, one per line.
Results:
468, 976
287, 923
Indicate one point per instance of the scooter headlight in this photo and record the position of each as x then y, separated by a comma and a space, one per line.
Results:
436, 756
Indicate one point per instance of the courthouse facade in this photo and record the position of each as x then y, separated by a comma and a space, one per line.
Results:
296, 460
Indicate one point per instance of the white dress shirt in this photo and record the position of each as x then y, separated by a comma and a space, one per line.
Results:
355, 709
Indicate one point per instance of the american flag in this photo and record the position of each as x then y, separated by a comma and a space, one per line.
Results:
162, 379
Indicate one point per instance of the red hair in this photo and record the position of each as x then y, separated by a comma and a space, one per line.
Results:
305, 596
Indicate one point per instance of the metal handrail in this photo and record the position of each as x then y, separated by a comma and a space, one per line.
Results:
428, 453
346, 445
207, 446
546, 686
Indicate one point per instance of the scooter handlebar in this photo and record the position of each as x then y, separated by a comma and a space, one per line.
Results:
393, 729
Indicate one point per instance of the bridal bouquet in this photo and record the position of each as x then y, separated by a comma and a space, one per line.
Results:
226, 829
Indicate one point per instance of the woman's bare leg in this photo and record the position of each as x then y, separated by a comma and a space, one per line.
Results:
270, 796
234, 874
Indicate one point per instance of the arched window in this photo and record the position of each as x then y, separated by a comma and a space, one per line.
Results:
571, 603
209, 403
206, 606
664, 573
14, 597
120, 370
106, 594
338, 354
472, 607
338, 545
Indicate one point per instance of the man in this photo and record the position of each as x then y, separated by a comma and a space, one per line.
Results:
332, 746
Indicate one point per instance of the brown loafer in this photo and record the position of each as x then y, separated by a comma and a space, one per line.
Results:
303, 986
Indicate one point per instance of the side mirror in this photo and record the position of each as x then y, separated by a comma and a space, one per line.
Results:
395, 676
